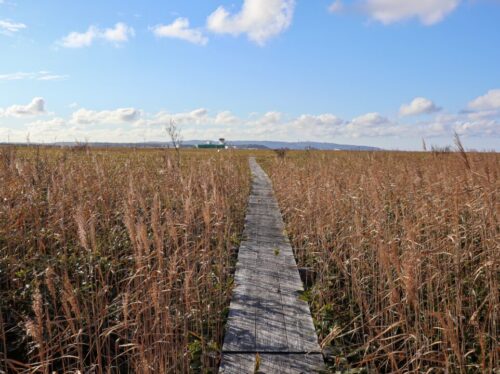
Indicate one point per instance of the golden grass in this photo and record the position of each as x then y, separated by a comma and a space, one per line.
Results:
120, 260
116, 260
406, 256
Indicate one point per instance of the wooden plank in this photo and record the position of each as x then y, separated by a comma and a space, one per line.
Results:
241, 333
270, 325
245, 363
290, 363
299, 325
237, 363
256, 202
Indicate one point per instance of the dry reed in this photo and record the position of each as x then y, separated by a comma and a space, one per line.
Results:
405, 248
116, 260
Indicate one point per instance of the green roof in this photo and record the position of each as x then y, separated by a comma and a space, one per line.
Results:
212, 146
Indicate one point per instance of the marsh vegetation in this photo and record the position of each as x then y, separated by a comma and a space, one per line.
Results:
406, 256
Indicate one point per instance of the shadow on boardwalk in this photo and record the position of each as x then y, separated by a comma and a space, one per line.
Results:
267, 316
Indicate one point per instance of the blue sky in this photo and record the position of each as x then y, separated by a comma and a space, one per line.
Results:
387, 73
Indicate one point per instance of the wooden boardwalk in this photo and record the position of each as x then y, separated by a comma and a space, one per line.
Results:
267, 316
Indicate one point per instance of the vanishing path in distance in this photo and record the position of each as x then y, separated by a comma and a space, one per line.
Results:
267, 316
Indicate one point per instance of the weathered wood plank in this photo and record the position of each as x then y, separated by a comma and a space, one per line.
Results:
241, 330
299, 325
244, 363
270, 325
237, 363
290, 363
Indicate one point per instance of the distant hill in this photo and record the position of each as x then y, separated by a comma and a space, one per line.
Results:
264, 144
246, 144
304, 145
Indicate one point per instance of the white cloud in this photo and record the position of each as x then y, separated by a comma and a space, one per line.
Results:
120, 33
369, 119
466, 124
54, 124
318, 127
179, 29
485, 127
225, 118
39, 76
270, 118
80, 40
371, 125
131, 124
36, 107
51, 77
195, 117
482, 114
427, 11
336, 6
260, 20
200, 123
8, 27
419, 105
306, 121
489, 101
117, 116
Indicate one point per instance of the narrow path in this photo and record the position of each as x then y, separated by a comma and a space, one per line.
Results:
267, 316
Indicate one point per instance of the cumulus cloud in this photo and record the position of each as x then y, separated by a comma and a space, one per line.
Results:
179, 29
199, 123
34, 108
120, 33
225, 118
319, 127
419, 105
270, 118
371, 125
54, 124
8, 27
131, 124
80, 39
489, 101
369, 119
38, 76
308, 121
428, 12
260, 20
466, 124
195, 117
481, 114
483, 127
117, 116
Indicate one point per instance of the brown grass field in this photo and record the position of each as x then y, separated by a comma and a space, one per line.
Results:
405, 252
121, 260
116, 260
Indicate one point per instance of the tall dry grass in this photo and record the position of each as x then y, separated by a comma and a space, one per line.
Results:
406, 253
116, 260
